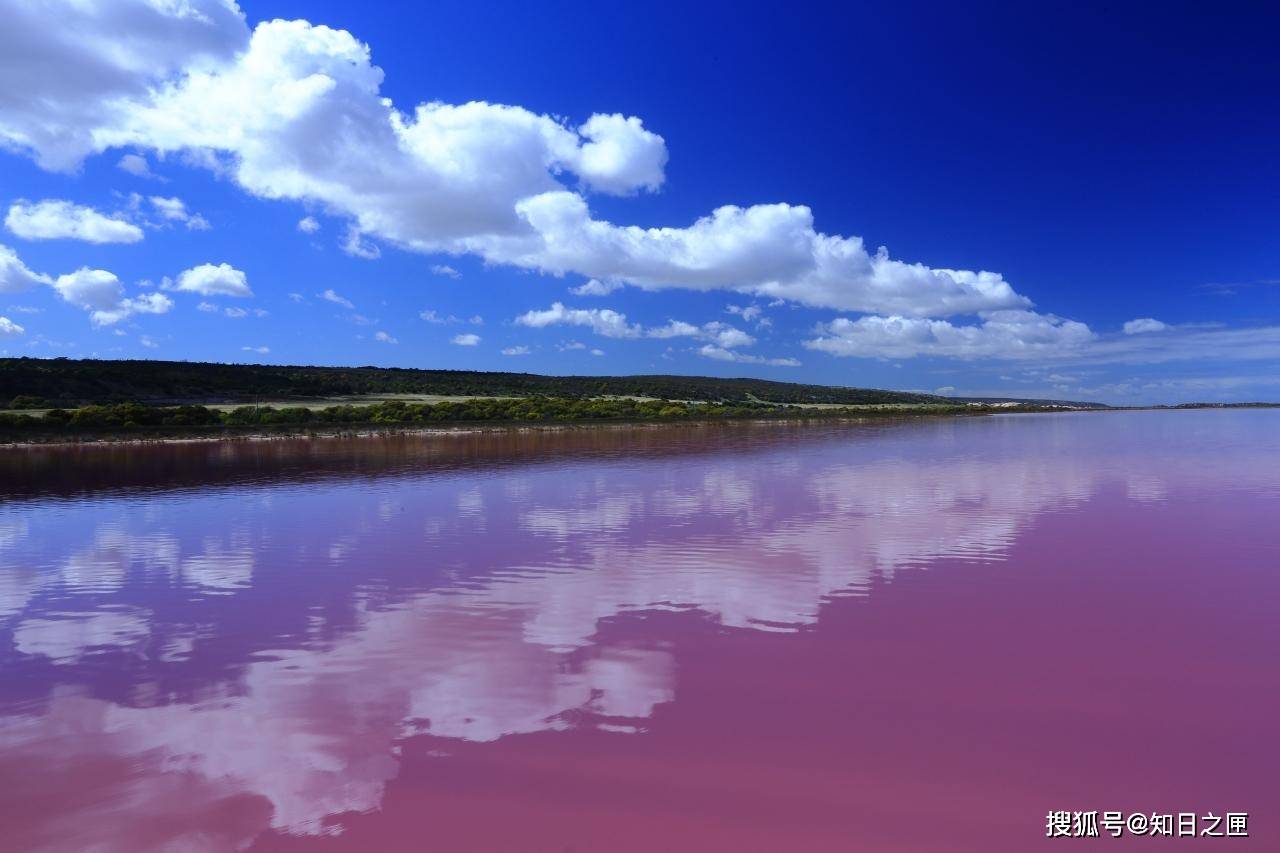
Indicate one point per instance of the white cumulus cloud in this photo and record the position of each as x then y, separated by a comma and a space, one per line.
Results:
101, 293
55, 219
602, 321
8, 328
15, 276
722, 354
97, 291
595, 287
1000, 334
1143, 325
720, 334
296, 111
515, 351
175, 210
620, 156
210, 280
467, 340
612, 324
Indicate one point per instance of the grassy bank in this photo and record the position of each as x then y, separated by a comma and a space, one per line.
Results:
137, 421
68, 382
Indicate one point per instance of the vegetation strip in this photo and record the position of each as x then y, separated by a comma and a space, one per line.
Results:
71, 382
138, 420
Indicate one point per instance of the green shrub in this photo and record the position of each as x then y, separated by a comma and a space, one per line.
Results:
28, 401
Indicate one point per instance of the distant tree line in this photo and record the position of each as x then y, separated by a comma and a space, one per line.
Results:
137, 416
36, 383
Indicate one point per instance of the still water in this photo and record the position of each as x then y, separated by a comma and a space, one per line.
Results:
902, 636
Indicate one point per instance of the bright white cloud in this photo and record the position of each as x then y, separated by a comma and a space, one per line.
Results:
210, 280
1029, 336
8, 328
612, 324
1143, 325
170, 208
722, 354
748, 312
101, 293
15, 276
331, 296
769, 250
308, 225
515, 351
726, 336
673, 329
97, 291
1000, 334
595, 287
720, 334
295, 111
620, 156
383, 337
55, 219
467, 340
602, 321
175, 210
147, 303
69, 67
729, 337
90, 289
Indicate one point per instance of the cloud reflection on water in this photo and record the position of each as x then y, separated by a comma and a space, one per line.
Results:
316, 628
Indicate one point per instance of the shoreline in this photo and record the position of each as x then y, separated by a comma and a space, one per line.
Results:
144, 436
283, 432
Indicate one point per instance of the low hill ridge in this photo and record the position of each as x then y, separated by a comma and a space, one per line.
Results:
65, 382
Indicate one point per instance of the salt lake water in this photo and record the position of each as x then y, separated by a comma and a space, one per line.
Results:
898, 636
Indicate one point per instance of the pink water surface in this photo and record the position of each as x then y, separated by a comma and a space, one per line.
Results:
900, 637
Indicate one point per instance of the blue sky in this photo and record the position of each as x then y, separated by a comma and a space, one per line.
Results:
1076, 200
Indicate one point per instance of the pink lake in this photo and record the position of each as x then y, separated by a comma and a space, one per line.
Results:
910, 636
